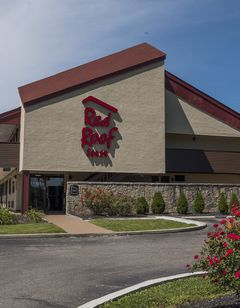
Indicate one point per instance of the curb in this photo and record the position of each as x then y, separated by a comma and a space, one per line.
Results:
137, 287
198, 226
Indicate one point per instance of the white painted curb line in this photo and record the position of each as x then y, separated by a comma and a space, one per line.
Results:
137, 287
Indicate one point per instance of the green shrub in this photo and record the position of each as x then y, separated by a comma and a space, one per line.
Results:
6, 217
199, 204
158, 204
33, 215
233, 201
182, 204
222, 204
141, 206
123, 206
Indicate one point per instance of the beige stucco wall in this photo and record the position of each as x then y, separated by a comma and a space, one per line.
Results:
177, 141
51, 134
209, 178
182, 118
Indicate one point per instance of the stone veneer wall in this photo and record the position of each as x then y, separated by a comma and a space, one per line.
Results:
170, 194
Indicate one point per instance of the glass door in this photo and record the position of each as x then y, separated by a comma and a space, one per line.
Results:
46, 192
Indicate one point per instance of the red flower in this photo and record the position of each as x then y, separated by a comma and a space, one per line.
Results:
224, 272
211, 263
234, 210
229, 252
231, 220
237, 275
225, 244
233, 236
187, 265
215, 225
223, 221
216, 259
196, 257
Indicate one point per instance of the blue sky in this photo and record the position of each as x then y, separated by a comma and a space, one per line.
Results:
39, 38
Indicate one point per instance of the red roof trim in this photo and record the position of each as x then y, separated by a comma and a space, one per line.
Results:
201, 100
11, 117
82, 75
99, 102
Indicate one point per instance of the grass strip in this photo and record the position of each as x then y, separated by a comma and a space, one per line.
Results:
33, 228
138, 224
171, 294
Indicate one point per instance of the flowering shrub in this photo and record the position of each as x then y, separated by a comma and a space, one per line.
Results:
220, 255
97, 200
102, 202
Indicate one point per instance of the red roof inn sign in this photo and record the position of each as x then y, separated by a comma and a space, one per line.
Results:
98, 133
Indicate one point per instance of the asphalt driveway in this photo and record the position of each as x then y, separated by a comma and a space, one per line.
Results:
67, 272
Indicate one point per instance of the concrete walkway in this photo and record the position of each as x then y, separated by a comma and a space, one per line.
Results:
75, 225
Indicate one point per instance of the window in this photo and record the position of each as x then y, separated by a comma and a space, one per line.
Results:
179, 178
6, 169
165, 179
155, 179
13, 187
9, 187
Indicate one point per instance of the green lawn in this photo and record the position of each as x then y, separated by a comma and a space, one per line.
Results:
138, 224
30, 228
171, 294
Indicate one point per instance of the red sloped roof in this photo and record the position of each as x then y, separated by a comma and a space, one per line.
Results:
11, 117
91, 72
201, 100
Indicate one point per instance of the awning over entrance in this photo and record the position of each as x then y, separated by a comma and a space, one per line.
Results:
9, 155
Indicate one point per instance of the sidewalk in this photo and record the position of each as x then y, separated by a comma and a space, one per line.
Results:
75, 225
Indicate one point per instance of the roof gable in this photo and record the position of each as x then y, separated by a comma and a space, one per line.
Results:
91, 72
202, 101
11, 117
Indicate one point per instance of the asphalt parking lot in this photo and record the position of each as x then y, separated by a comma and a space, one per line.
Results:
67, 272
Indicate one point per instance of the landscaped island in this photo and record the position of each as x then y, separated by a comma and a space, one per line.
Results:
171, 294
119, 225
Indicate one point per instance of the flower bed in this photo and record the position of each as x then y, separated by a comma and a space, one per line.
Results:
220, 255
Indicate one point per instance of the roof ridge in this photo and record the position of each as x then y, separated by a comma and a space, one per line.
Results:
90, 72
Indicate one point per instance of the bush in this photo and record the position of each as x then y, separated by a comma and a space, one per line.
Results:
123, 206
182, 204
100, 202
33, 215
141, 206
222, 204
233, 202
220, 254
158, 204
199, 203
6, 217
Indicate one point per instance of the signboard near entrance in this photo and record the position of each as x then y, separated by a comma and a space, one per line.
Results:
74, 190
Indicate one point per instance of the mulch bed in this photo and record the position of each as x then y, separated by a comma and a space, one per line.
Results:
228, 301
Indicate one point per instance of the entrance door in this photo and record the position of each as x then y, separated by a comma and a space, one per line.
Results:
46, 192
